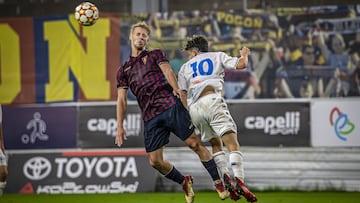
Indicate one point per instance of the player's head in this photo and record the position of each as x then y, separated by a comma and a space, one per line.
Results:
197, 42
195, 45
139, 35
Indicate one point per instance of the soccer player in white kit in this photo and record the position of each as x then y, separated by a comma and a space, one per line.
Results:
202, 77
3, 160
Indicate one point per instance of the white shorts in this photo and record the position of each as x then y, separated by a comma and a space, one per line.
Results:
211, 116
3, 159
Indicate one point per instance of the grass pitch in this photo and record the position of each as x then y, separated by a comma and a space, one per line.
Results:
177, 197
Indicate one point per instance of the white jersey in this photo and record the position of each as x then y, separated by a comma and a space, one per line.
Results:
205, 69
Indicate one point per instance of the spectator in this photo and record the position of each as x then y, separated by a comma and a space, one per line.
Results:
296, 79
354, 45
274, 73
296, 41
354, 89
309, 84
354, 51
338, 59
318, 50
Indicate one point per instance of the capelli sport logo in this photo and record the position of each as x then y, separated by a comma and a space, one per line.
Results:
341, 124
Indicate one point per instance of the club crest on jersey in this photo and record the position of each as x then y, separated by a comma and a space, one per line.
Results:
144, 59
127, 68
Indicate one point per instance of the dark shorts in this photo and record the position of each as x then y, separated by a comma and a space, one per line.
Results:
157, 130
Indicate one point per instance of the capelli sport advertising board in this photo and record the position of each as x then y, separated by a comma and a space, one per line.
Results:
272, 123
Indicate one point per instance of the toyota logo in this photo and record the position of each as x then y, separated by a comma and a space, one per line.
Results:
37, 168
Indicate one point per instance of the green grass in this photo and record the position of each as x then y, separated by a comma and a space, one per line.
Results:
201, 197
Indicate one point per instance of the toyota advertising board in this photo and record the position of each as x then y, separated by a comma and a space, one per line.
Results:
80, 172
278, 123
39, 127
335, 123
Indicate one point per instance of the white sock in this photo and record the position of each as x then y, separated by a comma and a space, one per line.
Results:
236, 163
2, 187
221, 163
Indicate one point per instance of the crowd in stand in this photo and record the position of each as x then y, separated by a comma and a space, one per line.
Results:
321, 65
296, 53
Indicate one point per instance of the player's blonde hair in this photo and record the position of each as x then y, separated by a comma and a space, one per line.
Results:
141, 24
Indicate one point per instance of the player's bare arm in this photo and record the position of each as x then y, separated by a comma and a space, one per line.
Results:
183, 98
243, 60
120, 114
171, 78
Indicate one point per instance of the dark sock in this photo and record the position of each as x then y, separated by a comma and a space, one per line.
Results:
175, 175
212, 169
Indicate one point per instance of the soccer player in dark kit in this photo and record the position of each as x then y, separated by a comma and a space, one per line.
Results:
149, 76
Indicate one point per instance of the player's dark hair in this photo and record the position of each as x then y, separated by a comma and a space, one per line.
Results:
199, 42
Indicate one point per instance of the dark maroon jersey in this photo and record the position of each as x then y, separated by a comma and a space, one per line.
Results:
148, 83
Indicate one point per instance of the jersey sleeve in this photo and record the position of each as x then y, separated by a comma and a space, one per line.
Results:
228, 62
121, 79
181, 79
160, 56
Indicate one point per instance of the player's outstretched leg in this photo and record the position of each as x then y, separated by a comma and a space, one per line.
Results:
229, 185
187, 187
242, 190
220, 189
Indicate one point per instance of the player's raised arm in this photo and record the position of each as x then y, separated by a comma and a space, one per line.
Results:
244, 58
